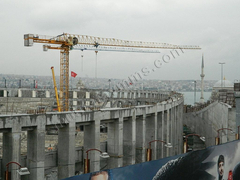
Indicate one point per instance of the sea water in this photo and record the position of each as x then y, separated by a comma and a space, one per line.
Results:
189, 97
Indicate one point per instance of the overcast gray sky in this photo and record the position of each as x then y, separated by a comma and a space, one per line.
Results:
213, 25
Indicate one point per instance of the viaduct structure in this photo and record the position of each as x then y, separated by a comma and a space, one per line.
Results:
129, 130
25, 100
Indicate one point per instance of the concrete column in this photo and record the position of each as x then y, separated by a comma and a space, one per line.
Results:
175, 132
136, 95
47, 94
160, 146
19, 93
75, 97
115, 143
151, 133
12, 148
66, 148
180, 124
149, 95
87, 97
33, 93
36, 149
92, 140
177, 143
4, 93
129, 140
141, 138
128, 95
168, 131
110, 94
164, 134
122, 95
237, 100
155, 133
133, 95
171, 132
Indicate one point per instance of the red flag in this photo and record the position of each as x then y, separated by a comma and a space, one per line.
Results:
36, 85
73, 74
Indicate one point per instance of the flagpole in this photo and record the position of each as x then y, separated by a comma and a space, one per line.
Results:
71, 82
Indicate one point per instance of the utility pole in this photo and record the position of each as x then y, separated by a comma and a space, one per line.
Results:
109, 84
202, 81
222, 63
195, 82
82, 62
96, 65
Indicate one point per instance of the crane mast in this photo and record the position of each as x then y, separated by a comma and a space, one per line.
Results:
66, 42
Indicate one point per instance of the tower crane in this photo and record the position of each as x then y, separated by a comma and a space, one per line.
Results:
66, 42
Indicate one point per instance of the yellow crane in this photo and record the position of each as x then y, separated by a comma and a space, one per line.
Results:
55, 89
65, 42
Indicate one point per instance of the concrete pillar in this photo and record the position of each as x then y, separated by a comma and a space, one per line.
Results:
92, 140
164, 134
155, 133
151, 133
33, 93
237, 100
128, 95
19, 93
177, 127
36, 149
141, 138
122, 95
12, 148
87, 97
175, 132
133, 95
115, 143
168, 131
171, 132
66, 148
148, 95
136, 95
74, 97
4, 93
129, 140
47, 94
180, 124
160, 146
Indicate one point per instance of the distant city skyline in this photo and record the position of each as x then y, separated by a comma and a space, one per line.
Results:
46, 82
